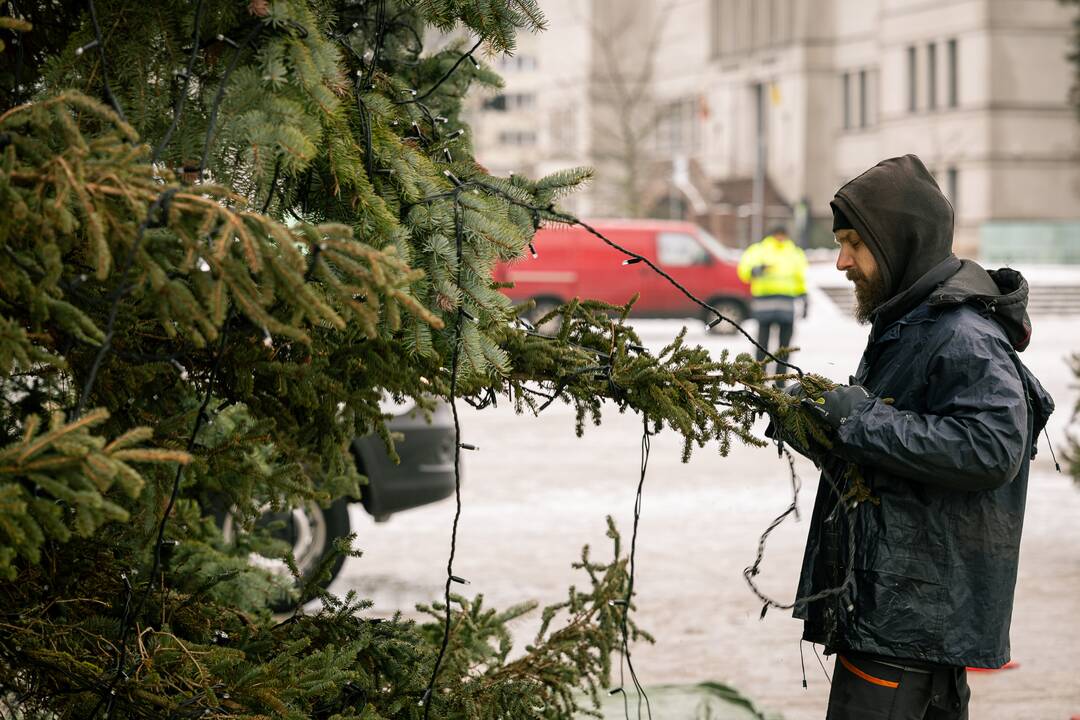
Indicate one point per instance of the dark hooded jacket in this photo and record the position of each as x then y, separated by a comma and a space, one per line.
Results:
943, 444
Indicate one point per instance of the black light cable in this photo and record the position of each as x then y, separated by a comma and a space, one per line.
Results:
459, 236
446, 76
625, 620
212, 124
98, 43
178, 108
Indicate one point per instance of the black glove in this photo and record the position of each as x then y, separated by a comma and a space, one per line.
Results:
836, 406
805, 306
759, 270
794, 390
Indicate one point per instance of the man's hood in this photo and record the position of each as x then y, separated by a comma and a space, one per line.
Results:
901, 214
1003, 296
1002, 293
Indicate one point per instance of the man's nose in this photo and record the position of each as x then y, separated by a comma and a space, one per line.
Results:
844, 261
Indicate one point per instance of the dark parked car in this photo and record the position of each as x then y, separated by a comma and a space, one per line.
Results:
424, 475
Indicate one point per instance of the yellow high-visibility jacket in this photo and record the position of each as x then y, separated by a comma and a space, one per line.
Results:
784, 268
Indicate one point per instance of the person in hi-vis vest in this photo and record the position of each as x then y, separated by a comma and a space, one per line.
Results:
776, 270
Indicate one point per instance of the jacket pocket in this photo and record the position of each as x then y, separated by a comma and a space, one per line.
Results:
899, 611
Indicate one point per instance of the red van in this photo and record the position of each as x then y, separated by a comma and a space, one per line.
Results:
571, 262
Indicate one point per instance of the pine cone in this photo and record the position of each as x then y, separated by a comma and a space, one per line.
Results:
259, 8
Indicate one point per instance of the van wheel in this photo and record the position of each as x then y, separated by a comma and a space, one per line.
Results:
310, 530
732, 309
543, 307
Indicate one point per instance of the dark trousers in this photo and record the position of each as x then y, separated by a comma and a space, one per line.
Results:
866, 689
770, 322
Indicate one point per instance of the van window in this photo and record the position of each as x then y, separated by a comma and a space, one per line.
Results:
676, 249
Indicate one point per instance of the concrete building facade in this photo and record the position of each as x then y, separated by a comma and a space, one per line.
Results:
977, 88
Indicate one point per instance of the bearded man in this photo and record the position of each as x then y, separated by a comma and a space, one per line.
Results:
941, 419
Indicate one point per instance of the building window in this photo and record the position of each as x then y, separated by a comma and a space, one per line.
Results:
519, 138
952, 188
517, 62
913, 78
731, 25
864, 100
931, 76
845, 85
779, 26
953, 72
715, 27
745, 38
752, 25
564, 130
761, 22
856, 89
678, 130
510, 101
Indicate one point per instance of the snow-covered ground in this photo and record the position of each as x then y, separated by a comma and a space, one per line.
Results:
534, 494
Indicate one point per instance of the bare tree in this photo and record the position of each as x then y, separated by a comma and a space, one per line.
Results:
626, 36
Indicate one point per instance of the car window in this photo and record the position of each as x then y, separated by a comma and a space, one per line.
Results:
718, 248
676, 249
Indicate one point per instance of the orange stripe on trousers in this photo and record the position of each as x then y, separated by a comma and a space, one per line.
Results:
867, 677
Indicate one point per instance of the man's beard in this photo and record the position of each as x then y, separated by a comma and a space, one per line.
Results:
870, 294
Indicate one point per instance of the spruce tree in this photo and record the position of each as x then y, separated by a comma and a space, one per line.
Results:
228, 228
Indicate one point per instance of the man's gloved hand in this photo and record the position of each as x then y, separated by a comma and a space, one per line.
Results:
805, 306
759, 270
836, 406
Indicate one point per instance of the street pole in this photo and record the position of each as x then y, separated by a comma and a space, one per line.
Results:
757, 222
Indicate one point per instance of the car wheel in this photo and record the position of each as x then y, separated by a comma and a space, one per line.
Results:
732, 309
310, 530
543, 307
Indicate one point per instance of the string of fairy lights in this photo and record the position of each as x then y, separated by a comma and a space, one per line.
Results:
157, 216
451, 578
